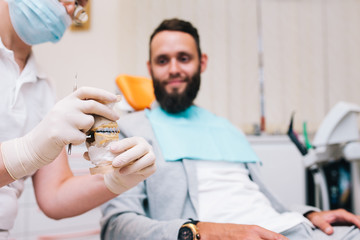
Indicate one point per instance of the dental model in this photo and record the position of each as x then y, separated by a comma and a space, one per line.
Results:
102, 133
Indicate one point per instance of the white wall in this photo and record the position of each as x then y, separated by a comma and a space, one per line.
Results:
117, 42
310, 54
282, 168
93, 54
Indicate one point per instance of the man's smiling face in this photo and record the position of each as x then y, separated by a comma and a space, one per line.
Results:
175, 69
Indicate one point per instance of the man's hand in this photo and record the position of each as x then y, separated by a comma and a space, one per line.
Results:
135, 162
66, 123
324, 219
226, 231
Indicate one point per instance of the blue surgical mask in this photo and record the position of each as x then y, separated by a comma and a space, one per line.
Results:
39, 21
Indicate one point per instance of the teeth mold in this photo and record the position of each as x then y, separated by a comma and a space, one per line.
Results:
102, 133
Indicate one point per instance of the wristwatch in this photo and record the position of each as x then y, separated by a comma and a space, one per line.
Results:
189, 231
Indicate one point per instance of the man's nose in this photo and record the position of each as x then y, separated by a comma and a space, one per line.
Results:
174, 66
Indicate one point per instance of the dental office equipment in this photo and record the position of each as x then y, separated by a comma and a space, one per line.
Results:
337, 139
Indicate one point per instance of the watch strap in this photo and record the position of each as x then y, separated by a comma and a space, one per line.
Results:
192, 221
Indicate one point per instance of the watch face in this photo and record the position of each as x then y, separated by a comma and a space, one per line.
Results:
186, 234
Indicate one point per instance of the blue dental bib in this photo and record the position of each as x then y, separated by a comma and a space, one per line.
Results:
199, 134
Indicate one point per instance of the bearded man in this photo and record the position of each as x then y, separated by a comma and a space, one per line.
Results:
206, 169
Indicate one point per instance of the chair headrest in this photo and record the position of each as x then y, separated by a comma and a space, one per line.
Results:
138, 91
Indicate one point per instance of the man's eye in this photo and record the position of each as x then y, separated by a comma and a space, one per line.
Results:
161, 61
184, 59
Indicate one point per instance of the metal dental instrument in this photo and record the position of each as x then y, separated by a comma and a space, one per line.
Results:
74, 89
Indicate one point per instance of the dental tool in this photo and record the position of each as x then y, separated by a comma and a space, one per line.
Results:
74, 89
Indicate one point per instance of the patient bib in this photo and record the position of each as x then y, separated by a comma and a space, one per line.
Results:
199, 134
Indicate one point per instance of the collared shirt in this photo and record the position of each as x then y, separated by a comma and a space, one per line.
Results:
26, 97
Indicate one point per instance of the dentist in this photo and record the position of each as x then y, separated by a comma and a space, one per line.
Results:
34, 130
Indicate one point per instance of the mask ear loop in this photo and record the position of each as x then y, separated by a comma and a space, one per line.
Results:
80, 15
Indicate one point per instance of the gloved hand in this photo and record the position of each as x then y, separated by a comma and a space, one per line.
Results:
135, 162
66, 123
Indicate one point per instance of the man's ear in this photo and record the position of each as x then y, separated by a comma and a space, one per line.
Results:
149, 67
203, 62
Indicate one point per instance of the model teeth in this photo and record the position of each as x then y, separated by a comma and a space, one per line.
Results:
108, 130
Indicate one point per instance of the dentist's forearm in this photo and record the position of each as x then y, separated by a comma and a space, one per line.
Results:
68, 196
77, 196
5, 177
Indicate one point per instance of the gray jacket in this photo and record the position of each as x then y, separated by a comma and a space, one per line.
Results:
156, 208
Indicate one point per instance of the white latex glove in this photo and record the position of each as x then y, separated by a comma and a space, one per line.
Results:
135, 161
66, 123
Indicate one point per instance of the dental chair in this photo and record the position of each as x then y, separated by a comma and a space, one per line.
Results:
337, 139
137, 92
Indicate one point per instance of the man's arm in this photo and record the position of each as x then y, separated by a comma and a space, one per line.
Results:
126, 217
227, 231
134, 225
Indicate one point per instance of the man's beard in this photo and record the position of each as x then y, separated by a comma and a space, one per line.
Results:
175, 102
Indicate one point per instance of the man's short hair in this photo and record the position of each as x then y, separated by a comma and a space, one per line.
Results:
176, 24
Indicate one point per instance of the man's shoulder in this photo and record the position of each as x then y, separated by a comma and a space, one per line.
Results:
134, 123
133, 116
